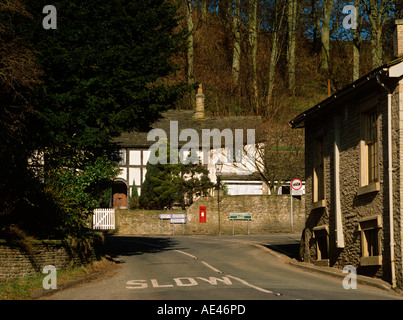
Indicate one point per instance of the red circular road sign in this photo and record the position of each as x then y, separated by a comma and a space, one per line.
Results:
296, 184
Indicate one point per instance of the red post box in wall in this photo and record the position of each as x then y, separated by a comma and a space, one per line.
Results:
202, 214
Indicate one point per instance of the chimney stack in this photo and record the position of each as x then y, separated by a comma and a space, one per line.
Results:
199, 103
398, 38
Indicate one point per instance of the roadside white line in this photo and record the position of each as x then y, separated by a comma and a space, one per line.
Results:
211, 267
187, 254
203, 262
252, 286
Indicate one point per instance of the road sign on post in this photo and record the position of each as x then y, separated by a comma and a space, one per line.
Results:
296, 185
162, 217
179, 218
240, 216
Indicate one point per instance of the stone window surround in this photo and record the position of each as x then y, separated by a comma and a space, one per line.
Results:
365, 187
316, 201
365, 224
319, 232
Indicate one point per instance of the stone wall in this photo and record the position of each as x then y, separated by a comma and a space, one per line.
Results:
21, 260
269, 214
143, 222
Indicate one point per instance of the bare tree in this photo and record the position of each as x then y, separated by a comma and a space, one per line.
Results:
204, 10
279, 156
236, 56
225, 11
378, 14
325, 35
279, 13
357, 40
253, 43
292, 24
190, 50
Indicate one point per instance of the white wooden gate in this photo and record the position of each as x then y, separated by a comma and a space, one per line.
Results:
103, 219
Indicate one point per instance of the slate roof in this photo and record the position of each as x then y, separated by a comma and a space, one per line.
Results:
186, 120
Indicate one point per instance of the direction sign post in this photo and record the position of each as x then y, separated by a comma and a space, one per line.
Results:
292, 217
162, 217
174, 218
178, 218
296, 185
239, 216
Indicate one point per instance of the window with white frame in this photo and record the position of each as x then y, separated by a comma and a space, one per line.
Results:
318, 182
371, 142
122, 157
369, 164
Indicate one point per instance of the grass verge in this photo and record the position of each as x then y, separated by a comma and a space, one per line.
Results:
24, 288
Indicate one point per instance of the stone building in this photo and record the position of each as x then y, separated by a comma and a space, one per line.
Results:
354, 174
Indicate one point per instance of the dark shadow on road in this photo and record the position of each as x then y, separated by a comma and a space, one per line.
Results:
130, 245
290, 250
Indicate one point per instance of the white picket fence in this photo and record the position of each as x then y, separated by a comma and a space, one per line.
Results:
103, 219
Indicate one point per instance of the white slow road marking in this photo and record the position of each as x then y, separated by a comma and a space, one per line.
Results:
153, 281
229, 276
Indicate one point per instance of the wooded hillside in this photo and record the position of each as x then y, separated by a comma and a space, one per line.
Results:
278, 58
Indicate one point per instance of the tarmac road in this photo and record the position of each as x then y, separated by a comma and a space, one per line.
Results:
210, 268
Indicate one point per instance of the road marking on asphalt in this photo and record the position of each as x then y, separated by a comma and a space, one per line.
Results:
211, 267
203, 262
214, 281
179, 282
252, 286
187, 254
185, 282
191, 281
155, 284
140, 284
